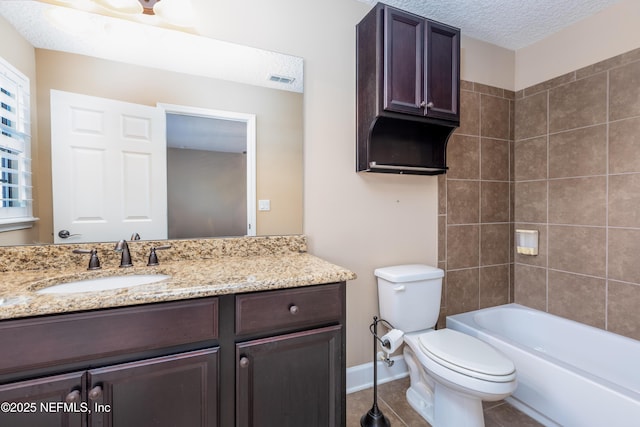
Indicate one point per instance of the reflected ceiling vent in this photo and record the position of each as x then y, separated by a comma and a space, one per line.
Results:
281, 79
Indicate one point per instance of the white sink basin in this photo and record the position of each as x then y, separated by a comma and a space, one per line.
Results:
103, 283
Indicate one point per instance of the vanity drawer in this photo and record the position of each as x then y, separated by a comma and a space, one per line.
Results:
287, 309
76, 337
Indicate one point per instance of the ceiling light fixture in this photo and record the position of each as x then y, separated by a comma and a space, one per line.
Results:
173, 14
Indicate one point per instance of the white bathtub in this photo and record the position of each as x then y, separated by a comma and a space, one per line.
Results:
569, 374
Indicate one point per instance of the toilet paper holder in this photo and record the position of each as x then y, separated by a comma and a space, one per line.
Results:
374, 417
384, 342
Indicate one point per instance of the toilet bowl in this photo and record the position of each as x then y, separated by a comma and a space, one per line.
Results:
450, 372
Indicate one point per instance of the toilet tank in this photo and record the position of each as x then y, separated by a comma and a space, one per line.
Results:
409, 295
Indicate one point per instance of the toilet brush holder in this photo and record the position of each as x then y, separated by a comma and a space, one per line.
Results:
374, 417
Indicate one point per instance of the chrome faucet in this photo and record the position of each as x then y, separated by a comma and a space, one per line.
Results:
123, 247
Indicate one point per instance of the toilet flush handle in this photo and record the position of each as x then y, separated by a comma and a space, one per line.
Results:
399, 288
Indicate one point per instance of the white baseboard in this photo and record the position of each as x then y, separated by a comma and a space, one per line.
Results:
360, 377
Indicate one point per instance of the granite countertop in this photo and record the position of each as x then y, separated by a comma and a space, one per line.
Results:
190, 278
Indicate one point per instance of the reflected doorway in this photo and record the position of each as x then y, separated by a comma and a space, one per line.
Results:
210, 172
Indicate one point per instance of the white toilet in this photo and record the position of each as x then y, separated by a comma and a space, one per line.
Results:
451, 373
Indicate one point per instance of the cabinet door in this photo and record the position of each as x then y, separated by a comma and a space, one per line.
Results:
291, 380
54, 401
177, 390
403, 62
442, 71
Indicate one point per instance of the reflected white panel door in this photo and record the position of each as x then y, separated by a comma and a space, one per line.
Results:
109, 169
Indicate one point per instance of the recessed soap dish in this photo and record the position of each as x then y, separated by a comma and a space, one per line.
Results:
527, 242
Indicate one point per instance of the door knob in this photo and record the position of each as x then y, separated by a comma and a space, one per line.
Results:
64, 234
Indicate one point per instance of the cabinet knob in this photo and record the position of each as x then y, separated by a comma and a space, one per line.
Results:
426, 105
244, 362
95, 393
73, 396
293, 309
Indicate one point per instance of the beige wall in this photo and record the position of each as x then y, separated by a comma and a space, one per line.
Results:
611, 32
278, 123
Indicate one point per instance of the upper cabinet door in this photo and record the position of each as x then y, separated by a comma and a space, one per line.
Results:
403, 62
442, 71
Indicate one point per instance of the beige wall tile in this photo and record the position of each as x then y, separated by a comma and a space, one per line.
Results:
624, 247
494, 244
466, 85
489, 90
443, 266
442, 237
494, 159
624, 200
549, 84
531, 116
462, 291
623, 316
512, 119
494, 117
578, 298
539, 260
593, 225
494, 199
442, 194
494, 285
624, 140
578, 152
530, 201
578, 104
530, 286
624, 91
578, 249
463, 157
463, 246
469, 113
530, 159
580, 201
463, 202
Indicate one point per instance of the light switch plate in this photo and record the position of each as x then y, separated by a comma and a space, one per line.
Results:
264, 205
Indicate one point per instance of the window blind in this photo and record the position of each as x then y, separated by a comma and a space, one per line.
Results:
15, 147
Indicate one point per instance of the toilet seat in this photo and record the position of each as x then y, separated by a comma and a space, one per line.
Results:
466, 355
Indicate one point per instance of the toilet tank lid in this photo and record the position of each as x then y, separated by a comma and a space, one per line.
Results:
408, 273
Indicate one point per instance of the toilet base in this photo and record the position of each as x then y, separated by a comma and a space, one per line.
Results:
439, 404
453, 409
422, 406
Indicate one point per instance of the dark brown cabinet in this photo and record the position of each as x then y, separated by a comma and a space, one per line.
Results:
256, 359
408, 79
35, 403
176, 390
290, 380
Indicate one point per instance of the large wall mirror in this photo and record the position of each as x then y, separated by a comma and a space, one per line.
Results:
277, 111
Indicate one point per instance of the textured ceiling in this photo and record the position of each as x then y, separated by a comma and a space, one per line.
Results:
512, 24
52, 27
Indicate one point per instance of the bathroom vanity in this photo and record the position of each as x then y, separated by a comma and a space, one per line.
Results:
251, 350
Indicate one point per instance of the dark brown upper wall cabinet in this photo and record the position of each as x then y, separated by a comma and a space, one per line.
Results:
408, 79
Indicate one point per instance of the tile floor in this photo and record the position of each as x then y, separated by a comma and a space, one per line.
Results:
393, 404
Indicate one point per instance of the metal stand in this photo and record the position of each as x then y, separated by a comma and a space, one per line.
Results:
375, 417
